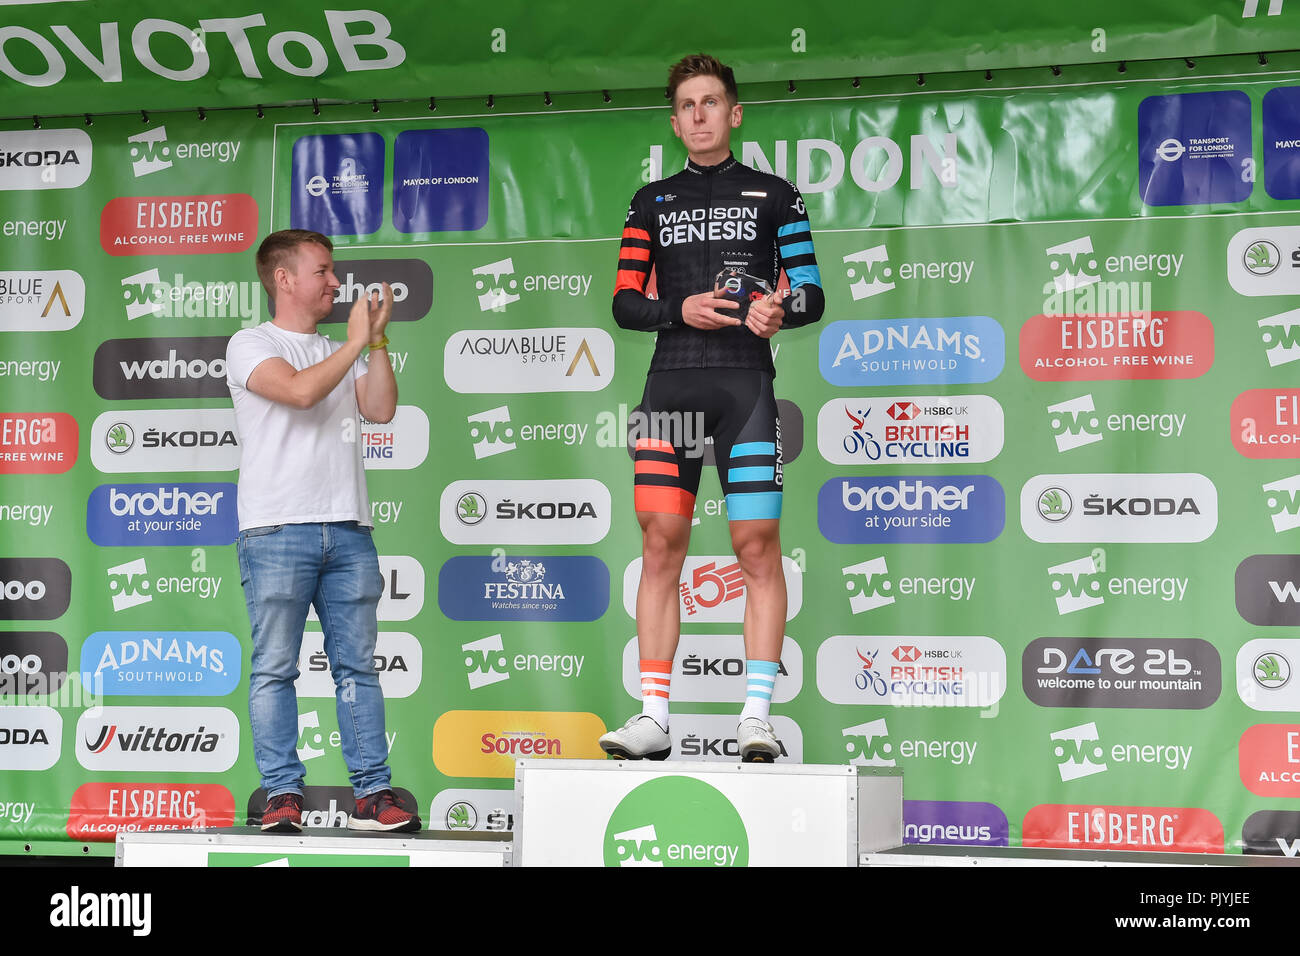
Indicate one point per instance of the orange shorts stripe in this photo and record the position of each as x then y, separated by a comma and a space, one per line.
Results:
672, 501
657, 468
655, 444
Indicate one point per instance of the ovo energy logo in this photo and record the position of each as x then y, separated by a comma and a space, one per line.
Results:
1078, 752
675, 821
1075, 585
867, 272
1073, 264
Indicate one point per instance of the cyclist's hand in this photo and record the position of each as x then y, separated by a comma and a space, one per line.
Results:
701, 311
766, 314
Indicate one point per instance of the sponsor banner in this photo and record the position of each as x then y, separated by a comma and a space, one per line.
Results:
488, 661
440, 180
162, 368
1139, 673
1119, 508
1268, 760
1076, 423
1265, 423
1279, 116
44, 158
403, 595
517, 588
31, 738
1268, 590
324, 807
711, 668
338, 184
707, 737
1265, 668
1080, 752
52, 301
1085, 826
34, 589
151, 153
37, 443
876, 352
486, 743
398, 660
924, 429
953, 823
1272, 833
911, 508
165, 439
1074, 348
910, 671
546, 511
178, 225
528, 360
194, 514
870, 744
31, 663
130, 585
1265, 260
410, 279
496, 286
158, 739
483, 810
100, 811
712, 589
400, 444
1080, 584
1194, 149
161, 663
870, 585
1281, 337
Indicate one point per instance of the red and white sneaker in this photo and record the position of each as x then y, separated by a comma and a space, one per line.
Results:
283, 814
381, 812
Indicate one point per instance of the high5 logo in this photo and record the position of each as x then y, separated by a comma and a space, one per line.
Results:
1078, 752
868, 745
1075, 585
1075, 423
638, 847
1073, 264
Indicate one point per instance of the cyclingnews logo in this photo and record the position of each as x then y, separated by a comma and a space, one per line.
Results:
954, 823
711, 669
477, 361
675, 821
51, 301
871, 586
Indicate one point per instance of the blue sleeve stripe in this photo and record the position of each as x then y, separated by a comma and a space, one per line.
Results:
754, 506
753, 448
797, 249
804, 275
793, 227
756, 473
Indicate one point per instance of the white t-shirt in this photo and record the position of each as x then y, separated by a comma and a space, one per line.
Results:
297, 466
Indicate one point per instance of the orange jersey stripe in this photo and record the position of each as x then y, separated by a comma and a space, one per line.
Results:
633, 233
627, 279
634, 252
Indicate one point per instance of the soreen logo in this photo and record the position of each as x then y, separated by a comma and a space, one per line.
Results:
965, 508
675, 821
879, 352
470, 743
154, 514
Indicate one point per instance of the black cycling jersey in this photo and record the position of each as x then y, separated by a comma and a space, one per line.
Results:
705, 222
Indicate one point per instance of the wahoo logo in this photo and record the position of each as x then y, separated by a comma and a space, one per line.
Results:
1075, 423
100, 743
868, 585
1075, 586
150, 152
1073, 264
1283, 503
490, 432
867, 272
129, 584
1281, 334
486, 662
140, 294
868, 745
639, 847
496, 285
1078, 752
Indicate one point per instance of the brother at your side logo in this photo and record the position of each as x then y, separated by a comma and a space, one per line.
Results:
675, 821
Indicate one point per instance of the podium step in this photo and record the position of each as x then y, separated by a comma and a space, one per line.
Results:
685, 813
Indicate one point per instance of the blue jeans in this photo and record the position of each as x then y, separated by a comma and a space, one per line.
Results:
284, 569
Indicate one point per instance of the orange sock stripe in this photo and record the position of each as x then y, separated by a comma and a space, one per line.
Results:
663, 667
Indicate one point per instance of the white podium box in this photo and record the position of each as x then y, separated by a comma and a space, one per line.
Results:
249, 846
685, 813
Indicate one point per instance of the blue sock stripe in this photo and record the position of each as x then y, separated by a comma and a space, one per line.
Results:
751, 474
754, 505
792, 227
754, 448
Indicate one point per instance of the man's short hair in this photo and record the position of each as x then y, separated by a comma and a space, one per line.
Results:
701, 64
280, 249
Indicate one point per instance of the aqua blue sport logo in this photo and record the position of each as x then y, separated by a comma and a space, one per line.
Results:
864, 353
196, 514
910, 508
519, 588
161, 663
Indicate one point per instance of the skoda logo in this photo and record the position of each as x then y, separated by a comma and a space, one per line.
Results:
1261, 258
1271, 670
471, 508
1055, 504
120, 438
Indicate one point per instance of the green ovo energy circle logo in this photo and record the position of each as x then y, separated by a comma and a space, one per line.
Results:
676, 821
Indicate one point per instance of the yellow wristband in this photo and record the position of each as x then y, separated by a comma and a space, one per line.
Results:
381, 344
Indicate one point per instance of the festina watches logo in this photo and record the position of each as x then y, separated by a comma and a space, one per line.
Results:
525, 579
1073, 264
1078, 752
1075, 423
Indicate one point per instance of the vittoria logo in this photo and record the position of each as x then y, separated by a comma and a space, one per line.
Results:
166, 739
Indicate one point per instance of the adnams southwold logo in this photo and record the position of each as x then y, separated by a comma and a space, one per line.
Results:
487, 662
675, 821
161, 663
476, 361
1076, 423
1119, 508
1079, 752
1282, 498
870, 353
497, 286
870, 745
158, 739
44, 159
871, 586
151, 153
870, 273
52, 301
1281, 335
1083, 583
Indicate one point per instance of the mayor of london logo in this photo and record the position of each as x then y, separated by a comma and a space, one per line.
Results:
675, 821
